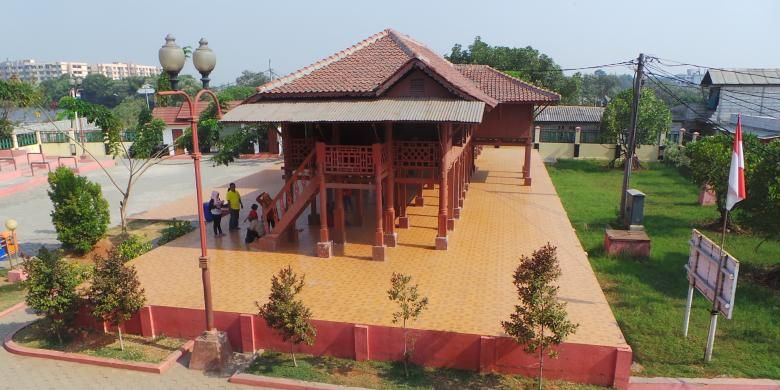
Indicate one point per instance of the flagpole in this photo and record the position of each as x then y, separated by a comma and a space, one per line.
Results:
718, 286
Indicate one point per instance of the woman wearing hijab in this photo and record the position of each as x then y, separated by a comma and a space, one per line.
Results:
215, 207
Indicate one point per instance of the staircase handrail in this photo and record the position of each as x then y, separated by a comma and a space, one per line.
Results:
278, 204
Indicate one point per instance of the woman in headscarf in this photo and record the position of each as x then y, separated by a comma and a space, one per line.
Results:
215, 208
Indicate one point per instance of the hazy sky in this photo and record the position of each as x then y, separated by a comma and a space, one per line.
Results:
245, 34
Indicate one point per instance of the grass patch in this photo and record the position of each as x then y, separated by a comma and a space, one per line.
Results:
11, 294
388, 375
106, 345
648, 297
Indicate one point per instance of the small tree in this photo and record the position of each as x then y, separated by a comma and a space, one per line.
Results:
290, 318
539, 321
51, 288
80, 213
410, 306
115, 293
654, 118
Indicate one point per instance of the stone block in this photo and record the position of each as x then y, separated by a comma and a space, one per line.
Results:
211, 352
391, 240
379, 253
16, 275
634, 243
325, 249
403, 222
441, 243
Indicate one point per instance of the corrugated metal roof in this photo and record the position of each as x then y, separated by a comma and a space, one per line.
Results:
397, 110
742, 77
577, 114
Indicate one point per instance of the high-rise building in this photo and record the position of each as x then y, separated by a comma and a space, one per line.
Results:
30, 70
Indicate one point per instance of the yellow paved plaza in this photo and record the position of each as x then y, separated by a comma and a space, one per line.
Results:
469, 286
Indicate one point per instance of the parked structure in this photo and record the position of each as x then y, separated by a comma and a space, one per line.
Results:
388, 115
558, 124
32, 71
753, 93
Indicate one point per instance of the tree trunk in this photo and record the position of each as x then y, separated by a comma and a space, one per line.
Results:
123, 210
541, 360
292, 352
121, 340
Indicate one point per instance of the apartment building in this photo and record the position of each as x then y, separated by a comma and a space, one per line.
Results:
30, 70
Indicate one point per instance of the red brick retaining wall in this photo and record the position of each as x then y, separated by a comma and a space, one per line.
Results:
583, 363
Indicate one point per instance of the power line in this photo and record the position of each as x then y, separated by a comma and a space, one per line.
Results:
622, 63
697, 86
678, 63
663, 86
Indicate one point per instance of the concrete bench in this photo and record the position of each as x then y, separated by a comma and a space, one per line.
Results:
634, 243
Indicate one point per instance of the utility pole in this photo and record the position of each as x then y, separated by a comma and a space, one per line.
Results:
632, 134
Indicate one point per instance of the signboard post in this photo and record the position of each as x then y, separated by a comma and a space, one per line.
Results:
713, 272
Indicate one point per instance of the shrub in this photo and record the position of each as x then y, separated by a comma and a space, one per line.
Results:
80, 213
675, 155
174, 231
116, 293
51, 288
132, 246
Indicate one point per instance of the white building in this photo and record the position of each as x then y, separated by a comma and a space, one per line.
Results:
30, 70
119, 70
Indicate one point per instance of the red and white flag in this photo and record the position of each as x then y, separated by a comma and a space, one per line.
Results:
736, 190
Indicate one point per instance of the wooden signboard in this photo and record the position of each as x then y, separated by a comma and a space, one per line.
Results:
718, 284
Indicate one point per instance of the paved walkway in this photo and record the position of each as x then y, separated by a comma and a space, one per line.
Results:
21, 372
469, 286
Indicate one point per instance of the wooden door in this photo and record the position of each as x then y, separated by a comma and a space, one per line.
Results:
176, 133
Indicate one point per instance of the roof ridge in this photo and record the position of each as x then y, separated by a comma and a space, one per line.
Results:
323, 62
502, 74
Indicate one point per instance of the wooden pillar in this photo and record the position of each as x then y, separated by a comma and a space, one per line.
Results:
456, 190
379, 248
339, 221
286, 139
391, 237
527, 162
403, 219
451, 198
445, 134
273, 141
324, 246
358, 209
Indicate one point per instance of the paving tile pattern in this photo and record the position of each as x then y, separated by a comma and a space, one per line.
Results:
469, 286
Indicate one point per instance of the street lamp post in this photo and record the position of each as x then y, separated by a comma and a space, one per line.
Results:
212, 348
75, 85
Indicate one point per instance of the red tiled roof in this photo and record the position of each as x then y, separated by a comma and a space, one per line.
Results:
364, 68
180, 116
505, 88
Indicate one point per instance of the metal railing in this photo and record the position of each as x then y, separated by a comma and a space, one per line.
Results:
53, 137
93, 136
26, 139
6, 143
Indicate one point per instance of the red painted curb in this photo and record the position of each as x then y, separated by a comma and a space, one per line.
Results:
18, 306
33, 182
284, 383
158, 368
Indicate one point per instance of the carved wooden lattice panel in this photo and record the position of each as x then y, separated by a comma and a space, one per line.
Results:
349, 160
411, 154
299, 148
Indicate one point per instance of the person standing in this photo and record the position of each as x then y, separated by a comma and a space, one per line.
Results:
215, 208
235, 204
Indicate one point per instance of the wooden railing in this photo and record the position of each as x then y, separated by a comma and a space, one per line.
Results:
417, 159
298, 149
295, 185
348, 160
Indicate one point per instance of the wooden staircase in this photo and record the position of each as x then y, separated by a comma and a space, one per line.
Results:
299, 190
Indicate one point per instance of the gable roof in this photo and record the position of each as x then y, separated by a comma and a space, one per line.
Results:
745, 76
505, 88
572, 114
366, 68
180, 116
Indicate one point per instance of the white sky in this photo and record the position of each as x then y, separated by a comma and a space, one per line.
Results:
245, 34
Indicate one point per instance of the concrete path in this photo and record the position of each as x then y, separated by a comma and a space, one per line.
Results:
166, 182
21, 372
639, 383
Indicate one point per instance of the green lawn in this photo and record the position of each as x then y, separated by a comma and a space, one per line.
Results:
386, 375
10, 294
648, 297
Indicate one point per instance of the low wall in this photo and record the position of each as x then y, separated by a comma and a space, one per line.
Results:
56, 149
594, 364
551, 152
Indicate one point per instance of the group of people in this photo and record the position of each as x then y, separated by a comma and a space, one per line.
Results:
232, 206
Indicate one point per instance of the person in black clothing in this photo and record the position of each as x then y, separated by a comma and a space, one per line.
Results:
215, 208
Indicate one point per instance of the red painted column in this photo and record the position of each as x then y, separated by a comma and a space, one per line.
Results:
379, 248
444, 142
147, 322
451, 199
457, 189
390, 235
527, 163
273, 142
286, 141
324, 247
339, 220
358, 220
403, 218
487, 354
623, 358
360, 334
247, 326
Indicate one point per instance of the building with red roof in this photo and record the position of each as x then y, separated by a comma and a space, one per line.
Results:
177, 119
390, 115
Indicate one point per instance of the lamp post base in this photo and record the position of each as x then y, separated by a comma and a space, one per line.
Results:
211, 351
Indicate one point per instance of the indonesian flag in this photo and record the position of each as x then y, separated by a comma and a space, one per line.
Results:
736, 191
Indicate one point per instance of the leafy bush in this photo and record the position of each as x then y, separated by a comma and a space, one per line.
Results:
174, 231
675, 155
80, 213
132, 246
51, 288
